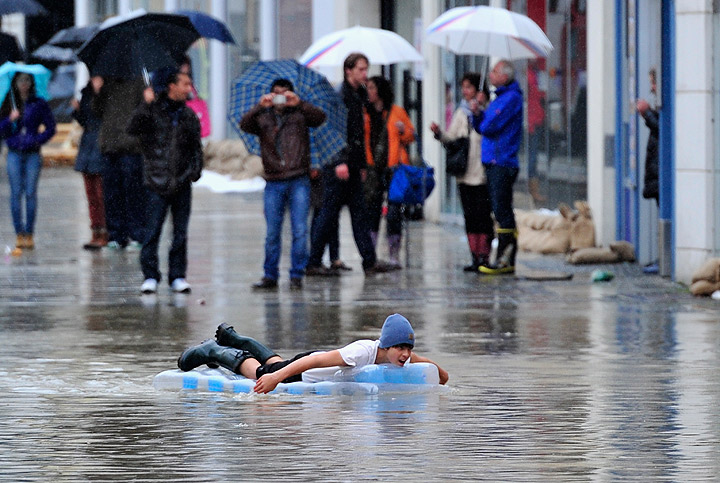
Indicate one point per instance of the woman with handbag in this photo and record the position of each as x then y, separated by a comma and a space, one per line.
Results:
472, 186
388, 132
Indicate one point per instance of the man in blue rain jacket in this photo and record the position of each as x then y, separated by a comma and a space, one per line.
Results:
500, 125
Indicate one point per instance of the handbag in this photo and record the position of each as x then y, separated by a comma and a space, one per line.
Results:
456, 159
457, 151
411, 184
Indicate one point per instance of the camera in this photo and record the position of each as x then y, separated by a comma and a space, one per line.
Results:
279, 99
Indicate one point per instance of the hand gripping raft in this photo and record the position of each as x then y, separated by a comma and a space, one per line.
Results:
367, 380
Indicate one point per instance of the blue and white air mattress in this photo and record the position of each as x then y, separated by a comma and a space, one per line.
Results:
368, 380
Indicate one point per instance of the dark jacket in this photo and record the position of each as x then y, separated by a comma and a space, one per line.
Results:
115, 104
355, 100
23, 135
284, 138
651, 187
89, 157
501, 125
169, 135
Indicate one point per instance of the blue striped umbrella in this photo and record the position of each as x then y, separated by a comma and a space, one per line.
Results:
325, 140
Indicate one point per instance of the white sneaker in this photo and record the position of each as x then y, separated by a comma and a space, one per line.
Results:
149, 286
134, 246
180, 285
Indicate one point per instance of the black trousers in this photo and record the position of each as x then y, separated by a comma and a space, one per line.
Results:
276, 366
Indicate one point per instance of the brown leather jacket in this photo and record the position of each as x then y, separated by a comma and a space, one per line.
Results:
284, 138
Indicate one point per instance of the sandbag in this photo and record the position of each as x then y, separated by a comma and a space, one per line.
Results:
710, 271
593, 255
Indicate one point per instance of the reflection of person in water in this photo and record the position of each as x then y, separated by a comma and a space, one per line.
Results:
535, 120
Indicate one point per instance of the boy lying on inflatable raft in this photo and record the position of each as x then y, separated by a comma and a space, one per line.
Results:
249, 358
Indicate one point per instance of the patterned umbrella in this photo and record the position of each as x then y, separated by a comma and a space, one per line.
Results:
311, 86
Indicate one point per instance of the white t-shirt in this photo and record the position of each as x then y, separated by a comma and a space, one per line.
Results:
356, 354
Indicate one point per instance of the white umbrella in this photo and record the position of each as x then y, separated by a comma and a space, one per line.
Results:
489, 31
380, 46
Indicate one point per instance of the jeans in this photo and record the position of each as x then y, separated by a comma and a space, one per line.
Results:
125, 197
500, 181
336, 194
293, 194
179, 205
24, 173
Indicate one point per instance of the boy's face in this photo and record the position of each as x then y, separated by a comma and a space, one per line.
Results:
399, 354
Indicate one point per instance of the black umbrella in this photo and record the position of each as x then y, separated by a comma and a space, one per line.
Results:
129, 46
26, 7
73, 37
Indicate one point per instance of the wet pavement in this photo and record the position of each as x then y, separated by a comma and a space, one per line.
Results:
552, 380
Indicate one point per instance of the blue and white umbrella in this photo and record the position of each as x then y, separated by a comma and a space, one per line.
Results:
489, 31
325, 140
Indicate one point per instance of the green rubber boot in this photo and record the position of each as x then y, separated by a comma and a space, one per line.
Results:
210, 352
226, 335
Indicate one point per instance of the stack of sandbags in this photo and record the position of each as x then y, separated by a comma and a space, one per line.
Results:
545, 233
706, 279
231, 157
619, 251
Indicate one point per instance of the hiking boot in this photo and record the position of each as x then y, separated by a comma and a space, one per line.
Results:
149, 286
99, 239
26, 241
211, 353
265, 284
320, 271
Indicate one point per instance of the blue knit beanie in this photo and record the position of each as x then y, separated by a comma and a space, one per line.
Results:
395, 331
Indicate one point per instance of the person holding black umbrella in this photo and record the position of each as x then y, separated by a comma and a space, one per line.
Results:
114, 102
169, 135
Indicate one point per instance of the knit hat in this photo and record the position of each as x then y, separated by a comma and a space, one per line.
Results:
396, 330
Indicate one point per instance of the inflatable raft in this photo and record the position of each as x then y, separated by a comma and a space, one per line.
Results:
367, 380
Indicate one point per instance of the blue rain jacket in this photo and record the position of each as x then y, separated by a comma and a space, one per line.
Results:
501, 127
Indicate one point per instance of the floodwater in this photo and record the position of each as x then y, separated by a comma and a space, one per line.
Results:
550, 381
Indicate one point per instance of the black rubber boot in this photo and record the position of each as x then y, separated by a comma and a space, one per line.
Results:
506, 252
227, 336
209, 352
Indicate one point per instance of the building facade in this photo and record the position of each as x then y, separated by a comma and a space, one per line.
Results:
589, 142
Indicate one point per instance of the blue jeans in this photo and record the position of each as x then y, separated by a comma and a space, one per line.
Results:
125, 197
293, 194
24, 173
500, 181
179, 205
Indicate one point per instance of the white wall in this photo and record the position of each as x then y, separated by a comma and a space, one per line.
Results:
601, 117
433, 105
694, 137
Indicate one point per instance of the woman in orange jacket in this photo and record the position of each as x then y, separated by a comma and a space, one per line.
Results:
388, 132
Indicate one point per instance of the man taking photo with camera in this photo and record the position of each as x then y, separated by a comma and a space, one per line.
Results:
282, 120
